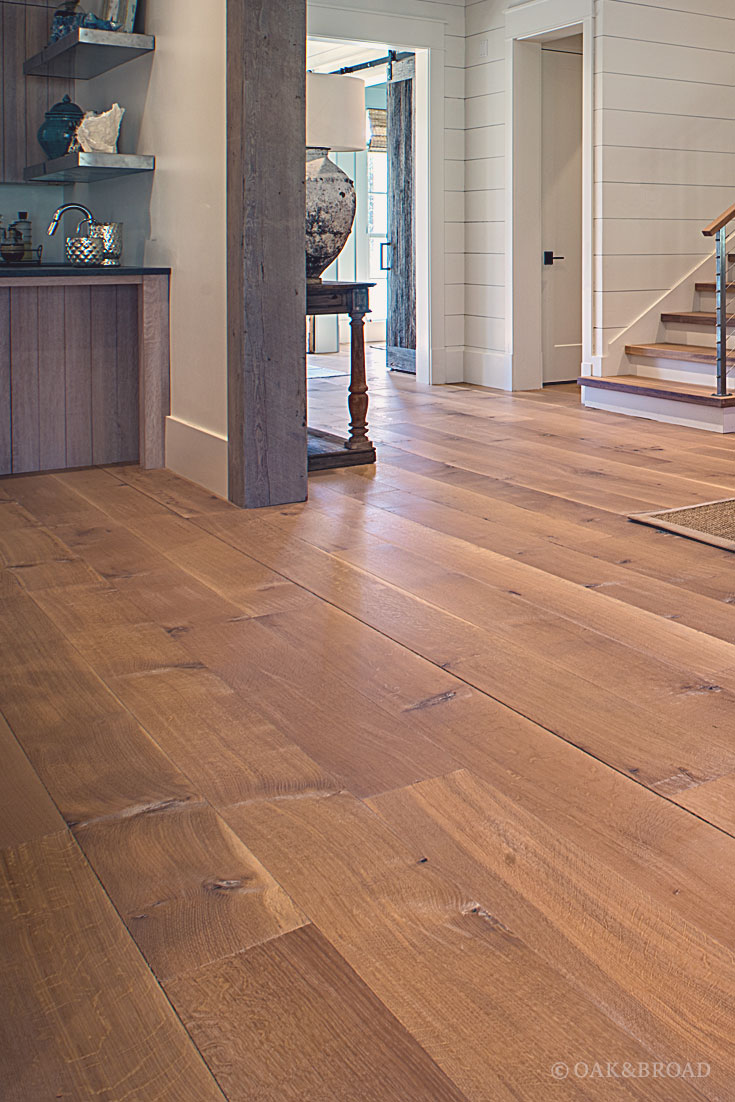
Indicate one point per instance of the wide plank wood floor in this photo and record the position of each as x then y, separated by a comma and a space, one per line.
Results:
423, 789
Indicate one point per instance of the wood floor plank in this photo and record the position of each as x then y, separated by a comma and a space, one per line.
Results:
83, 1016
642, 964
92, 756
27, 812
233, 750
713, 801
471, 635
186, 887
461, 982
291, 1020
182, 497
537, 686
333, 719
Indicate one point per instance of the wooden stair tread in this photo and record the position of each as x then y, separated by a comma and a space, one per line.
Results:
712, 287
659, 388
664, 350
706, 318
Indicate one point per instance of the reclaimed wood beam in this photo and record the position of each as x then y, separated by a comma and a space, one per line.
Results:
266, 288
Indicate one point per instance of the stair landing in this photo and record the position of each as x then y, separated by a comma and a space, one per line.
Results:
659, 388
660, 400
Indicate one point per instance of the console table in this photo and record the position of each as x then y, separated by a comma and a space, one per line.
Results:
324, 449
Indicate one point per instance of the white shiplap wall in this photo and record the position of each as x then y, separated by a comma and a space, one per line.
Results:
484, 232
664, 159
454, 199
665, 147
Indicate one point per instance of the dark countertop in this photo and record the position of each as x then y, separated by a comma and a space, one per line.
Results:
20, 270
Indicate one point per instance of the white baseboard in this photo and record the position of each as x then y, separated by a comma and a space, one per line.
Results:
454, 365
197, 454
486, 368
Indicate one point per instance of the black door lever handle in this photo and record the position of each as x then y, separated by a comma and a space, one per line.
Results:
549, 257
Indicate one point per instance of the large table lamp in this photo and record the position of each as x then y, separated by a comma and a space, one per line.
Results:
335, 120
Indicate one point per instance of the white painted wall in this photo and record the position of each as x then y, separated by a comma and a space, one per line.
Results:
175, 109
486, 336
665, 148
664, 138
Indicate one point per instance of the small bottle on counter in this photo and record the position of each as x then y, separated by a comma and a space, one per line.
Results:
25, 229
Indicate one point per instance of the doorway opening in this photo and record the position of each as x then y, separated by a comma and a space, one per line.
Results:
549, 206
561, 209
382, 246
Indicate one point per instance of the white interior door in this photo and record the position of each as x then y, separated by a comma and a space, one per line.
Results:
561, 209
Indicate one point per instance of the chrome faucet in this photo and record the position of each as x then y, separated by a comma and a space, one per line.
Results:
62, 210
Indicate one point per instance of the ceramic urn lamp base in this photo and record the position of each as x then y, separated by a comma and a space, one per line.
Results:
330, 212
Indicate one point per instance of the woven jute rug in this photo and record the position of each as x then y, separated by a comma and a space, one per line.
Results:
713, 522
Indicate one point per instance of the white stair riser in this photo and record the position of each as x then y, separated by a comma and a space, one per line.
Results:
680, 334
709, 418
676, 371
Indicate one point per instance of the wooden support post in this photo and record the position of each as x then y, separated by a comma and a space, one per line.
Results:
266, 289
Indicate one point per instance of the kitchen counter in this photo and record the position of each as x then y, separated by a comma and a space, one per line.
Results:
28, 271
84, 359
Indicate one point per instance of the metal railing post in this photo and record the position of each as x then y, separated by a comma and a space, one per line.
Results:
721, 292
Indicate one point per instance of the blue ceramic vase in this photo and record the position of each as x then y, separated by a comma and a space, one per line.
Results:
59, 127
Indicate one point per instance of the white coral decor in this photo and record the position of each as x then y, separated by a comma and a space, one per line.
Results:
99, 133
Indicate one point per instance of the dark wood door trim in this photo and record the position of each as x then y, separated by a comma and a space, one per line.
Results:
266, 285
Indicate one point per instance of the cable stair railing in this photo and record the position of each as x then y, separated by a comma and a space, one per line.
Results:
722, 231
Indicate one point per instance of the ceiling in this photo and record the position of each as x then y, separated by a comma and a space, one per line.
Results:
327, 55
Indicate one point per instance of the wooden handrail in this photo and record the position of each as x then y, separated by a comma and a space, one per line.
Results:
725, 217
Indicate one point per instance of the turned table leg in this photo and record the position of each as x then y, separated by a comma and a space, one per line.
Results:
358, 399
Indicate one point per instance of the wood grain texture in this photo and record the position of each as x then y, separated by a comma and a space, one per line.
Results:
186, 887
658, 388
52, 386
265, 256
90, 753
5, 404
401, 324
183, 498
106, 427
24, 335
154, 376
24, 30
300, 1024
128, 361
13, 92
27, 812
465, 985
580, 917
83, 1016
71, 363
78, 391
36, 91
534, 696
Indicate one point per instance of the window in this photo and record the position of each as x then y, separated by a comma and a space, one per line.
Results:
377, 228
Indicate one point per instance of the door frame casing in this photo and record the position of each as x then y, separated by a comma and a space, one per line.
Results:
425, 37
526, 28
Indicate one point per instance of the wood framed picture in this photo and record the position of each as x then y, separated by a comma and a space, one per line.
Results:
122, 12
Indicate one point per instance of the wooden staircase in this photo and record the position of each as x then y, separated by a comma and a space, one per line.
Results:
674, 378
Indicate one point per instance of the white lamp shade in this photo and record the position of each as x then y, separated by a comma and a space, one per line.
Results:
335, 112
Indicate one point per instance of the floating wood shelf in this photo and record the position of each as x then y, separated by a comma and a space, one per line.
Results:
78, 168
85, 53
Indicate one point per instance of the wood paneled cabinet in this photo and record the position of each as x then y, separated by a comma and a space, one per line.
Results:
24, 30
